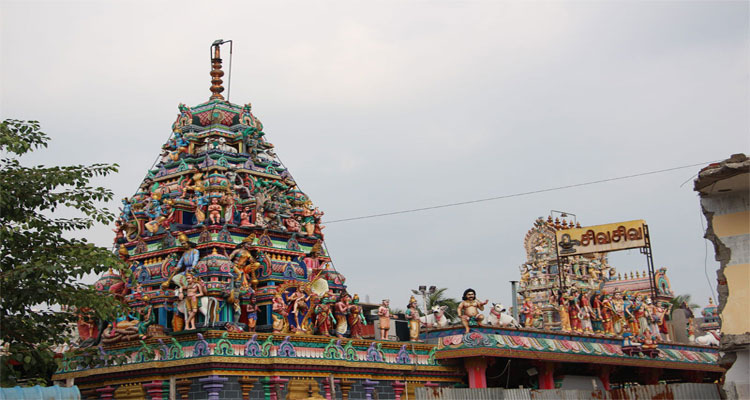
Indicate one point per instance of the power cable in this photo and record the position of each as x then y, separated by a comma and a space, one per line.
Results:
517, 194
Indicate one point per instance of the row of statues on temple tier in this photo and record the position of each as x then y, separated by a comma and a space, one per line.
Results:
238, 199
596, 312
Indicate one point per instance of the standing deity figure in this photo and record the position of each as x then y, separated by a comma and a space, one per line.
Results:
214, 211
468, 309
298, 303
200, 203
191, 293
574, 312
562, 309
640, 312
527, 313
652, 311
596, 312
279, 313
384, 318
244, 262
629, 308
608, 315
312, 261
619, 322
339, 311
252, 311
356, 318
412, 315
324, 317
586, 312
308, 218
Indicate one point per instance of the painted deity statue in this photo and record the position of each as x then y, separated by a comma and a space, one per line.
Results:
324, 317
562, 309
607, 315
628, 306
244, 262
279, 313
586, 312
214, 211
412, 315
252, 311
298, 303
356, 318
468, 309
596, 312
527, 313
339, 311
245, 217
641, 313
619, 321
384, 318
191, 293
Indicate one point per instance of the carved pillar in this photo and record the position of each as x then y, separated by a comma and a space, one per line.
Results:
328, 389
106, 392
183, 388
247, 383
276, 384
476, 368
604, 372
398, 389
369, 388
213, 385
546, 374
153, 390
346, 386
89, 394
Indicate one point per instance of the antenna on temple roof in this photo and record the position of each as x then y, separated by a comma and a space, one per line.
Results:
216, 72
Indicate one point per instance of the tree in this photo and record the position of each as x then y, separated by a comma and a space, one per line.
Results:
438, 298
682, 301
40, 266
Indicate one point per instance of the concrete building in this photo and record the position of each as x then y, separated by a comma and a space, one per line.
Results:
724, 190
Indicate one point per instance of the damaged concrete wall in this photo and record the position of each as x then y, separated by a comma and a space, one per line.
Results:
725, 199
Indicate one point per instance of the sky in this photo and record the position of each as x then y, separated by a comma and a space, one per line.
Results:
393, 105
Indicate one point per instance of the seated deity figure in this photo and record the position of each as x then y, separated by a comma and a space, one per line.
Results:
468, 309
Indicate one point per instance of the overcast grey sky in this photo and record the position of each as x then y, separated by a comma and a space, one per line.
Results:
390, 105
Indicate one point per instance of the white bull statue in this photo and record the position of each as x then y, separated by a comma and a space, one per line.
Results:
436, 318
709, 339
500, 318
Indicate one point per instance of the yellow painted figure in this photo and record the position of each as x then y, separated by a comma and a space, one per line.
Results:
412, 315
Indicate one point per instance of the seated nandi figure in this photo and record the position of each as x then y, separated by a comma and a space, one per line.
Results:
436, 318
711, 338
500, 318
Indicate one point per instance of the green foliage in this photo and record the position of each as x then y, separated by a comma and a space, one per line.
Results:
39, 265
678, 302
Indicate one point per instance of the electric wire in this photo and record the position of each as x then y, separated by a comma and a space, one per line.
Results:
507, 196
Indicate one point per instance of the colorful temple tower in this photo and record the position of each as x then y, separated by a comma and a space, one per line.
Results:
232, 292
220, 206
584, 278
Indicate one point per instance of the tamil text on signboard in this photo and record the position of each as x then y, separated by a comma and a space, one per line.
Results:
601, 238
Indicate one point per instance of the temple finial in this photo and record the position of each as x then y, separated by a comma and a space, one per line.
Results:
216, 72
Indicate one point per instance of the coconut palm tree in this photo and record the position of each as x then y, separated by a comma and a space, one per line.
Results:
438, 298
682, 301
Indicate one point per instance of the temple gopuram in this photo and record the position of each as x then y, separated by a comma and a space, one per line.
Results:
232, 291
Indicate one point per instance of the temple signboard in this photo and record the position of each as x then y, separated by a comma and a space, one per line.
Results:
601, 238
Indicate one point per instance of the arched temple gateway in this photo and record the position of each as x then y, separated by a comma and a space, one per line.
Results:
234, 295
